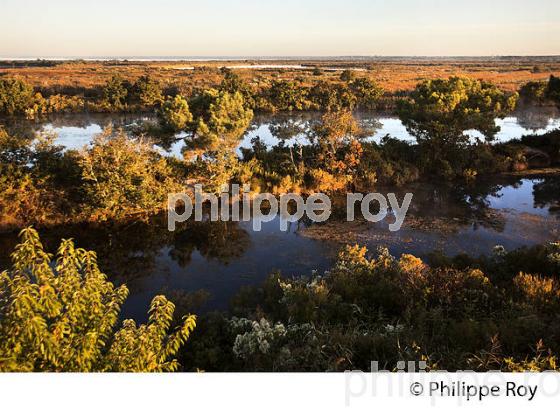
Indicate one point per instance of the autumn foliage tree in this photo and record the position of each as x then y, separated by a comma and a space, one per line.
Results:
61, 315
339, 148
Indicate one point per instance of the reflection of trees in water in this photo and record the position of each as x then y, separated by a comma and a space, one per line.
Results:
296, 117
20, 127
124, 250
441, 207
546, 193
369, 125
103, 120
186, 302
28, 128
158, 135
474, 199
130, 251
535, 118
286, 129
452, 207
221, 241
298, 126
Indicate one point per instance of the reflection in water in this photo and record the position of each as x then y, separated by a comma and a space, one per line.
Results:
535, 118
75, 131
547, 195
216, 259
220, 241
473, 219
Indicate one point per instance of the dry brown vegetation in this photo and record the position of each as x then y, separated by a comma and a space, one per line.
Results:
393, 74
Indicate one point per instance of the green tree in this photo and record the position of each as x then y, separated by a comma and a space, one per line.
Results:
61, 314
288, 96
232, 84
115, 92
223, 121
146, 92
16, 96
367, 92
332, 97
175, 114
533, 91
123, 176
439, 112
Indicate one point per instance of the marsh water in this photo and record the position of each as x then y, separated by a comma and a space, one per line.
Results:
75, 131
214, 260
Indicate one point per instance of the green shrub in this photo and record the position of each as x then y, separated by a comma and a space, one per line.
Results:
146, 92
115, 92
175, 114
122, 176
533, 91
16, 96
61, 315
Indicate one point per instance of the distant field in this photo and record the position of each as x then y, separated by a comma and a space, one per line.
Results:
393, 74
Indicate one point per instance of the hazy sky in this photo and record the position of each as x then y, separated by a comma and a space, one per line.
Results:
278, 28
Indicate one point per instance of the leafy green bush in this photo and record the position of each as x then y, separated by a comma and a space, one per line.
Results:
332, 97
146, 92
123, 176
175, 114
232, 84
288, 96
367, 93
16, 96
115, 92
222, 119
533, 91
29, 192
60, 315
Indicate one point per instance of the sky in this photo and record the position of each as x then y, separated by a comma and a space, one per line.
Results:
77, 28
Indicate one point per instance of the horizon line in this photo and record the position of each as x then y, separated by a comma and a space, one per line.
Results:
259, 57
